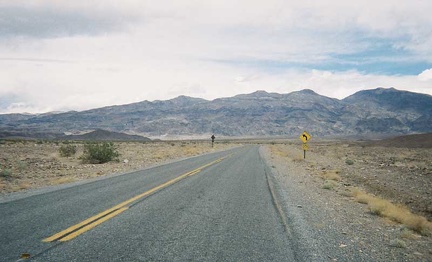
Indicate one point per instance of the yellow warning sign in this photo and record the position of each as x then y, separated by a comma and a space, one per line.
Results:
305, 137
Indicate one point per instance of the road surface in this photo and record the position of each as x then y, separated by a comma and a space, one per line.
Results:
215, 207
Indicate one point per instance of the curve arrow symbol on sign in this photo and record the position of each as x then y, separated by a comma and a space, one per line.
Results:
305, 137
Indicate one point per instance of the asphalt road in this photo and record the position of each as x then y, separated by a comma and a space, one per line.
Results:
216, 207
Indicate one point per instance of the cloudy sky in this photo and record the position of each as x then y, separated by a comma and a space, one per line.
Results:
76, 55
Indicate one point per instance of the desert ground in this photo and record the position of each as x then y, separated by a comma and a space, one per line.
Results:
28, 165
377, 195
345, 172
402, 175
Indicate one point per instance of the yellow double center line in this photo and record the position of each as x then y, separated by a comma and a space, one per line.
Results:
98, 219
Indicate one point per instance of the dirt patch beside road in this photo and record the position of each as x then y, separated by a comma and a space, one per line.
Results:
402, 175
30, 164
322, 185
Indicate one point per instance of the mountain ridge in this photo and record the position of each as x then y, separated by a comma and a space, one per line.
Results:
380, 111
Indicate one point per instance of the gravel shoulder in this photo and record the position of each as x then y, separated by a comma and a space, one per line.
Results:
328, 224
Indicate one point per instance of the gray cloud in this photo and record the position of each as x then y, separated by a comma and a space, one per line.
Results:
51, 23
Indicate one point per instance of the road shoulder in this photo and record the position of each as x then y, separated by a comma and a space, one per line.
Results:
333, 227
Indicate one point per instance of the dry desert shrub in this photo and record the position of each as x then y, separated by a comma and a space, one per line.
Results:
62, 180
298, 159
331, 175
278, 151
99, 153
407, 233
192, 151
397, 213
330, 184
160, 155
331, 178
24, 185
399, 243
346, 192
5, 173
349, 162
67, 150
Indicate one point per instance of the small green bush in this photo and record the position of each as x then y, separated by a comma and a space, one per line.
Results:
399, 243
349, 162
6, 173
21, 165
329, 184
67, 150
100, 153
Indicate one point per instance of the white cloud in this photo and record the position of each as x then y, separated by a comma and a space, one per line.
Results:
426, 75
334, 84
85, 54
85, 86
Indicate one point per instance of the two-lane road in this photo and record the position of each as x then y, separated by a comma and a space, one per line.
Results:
216, 207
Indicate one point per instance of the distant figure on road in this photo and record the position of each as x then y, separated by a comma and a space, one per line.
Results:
213, 138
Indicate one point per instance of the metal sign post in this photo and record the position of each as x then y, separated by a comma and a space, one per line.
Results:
213, 138
305, 148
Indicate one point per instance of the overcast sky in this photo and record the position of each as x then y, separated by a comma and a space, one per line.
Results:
76, 55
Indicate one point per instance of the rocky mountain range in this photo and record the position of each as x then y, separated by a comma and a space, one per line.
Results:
378, 111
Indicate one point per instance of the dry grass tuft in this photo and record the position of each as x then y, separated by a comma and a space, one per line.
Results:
397, 213
278, 151
346, 192
62, 180
361, 196
192, 151
408, 234
160, 155
24, 185
298, 159
331, 175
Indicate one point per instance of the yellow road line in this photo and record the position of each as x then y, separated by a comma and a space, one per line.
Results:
91, 222
77, 226
92, 225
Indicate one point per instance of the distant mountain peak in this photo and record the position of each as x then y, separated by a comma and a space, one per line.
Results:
382, 91
308, 92
254, 94
378, 91
259, 94
391, 99
185, 100
183, 97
